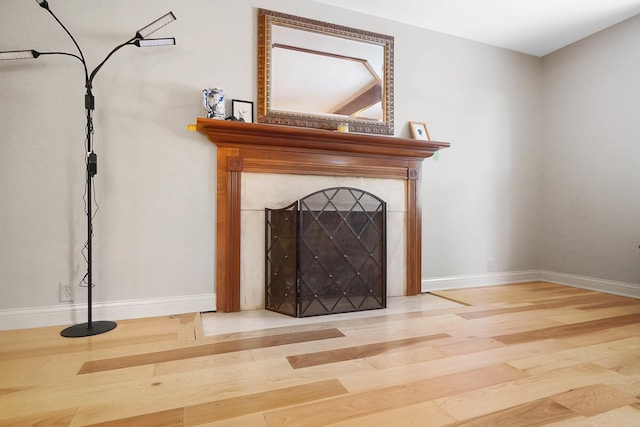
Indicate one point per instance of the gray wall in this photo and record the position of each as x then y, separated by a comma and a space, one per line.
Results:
155, 228
591, 173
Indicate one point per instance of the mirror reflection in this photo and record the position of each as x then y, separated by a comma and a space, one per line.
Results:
316, 74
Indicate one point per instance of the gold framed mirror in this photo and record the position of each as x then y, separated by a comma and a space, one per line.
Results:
321, 75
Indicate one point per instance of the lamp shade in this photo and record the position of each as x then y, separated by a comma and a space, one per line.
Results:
155, 25
19, 54
155, 42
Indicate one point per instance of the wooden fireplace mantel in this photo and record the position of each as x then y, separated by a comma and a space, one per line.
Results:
250, 147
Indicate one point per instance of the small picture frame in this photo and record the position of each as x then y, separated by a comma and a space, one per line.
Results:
419, 131
242, 110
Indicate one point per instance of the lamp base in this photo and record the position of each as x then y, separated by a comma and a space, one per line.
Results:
83, 330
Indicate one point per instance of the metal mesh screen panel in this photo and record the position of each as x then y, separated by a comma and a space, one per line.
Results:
340, 253
281, 293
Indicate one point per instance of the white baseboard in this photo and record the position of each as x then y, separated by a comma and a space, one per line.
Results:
600, 285
65, 315
479, 280
23, 318
492, 279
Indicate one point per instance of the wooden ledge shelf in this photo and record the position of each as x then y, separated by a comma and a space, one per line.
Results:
250, 147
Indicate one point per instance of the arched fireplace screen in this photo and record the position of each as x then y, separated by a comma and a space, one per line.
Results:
326, 253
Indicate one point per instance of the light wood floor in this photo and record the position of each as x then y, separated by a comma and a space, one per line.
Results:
518, 355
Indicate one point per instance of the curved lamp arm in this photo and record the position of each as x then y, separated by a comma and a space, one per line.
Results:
95, 70
138, 40
43, 4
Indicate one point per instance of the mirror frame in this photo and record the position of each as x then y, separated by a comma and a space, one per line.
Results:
267, 18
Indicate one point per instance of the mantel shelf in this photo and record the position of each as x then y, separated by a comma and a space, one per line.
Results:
266, 148
229, 133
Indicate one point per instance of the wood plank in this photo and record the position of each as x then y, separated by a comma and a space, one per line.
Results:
611, 355
258, 402
58, 418
425, 312
95, 344
537, 413
206, 350
358, 352
493, 399
250, 420
468, 346
532, 292
578, 315
625, 416
202, 363
603, 336
595, 399
569, 330
170, 418
556, 303
622, 302
499, 311
379, 400
404, 358
426, 414
490, 327
397, 375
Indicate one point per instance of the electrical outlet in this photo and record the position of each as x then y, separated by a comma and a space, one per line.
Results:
489, 264
66, 293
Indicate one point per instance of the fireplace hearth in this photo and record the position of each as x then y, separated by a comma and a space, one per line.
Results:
326, 254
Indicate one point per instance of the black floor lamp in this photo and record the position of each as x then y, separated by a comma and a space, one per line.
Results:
140, 40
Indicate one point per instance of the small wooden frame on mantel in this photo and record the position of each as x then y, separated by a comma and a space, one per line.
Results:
419, 131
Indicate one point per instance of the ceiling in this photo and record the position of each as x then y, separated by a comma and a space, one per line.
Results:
535, 27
